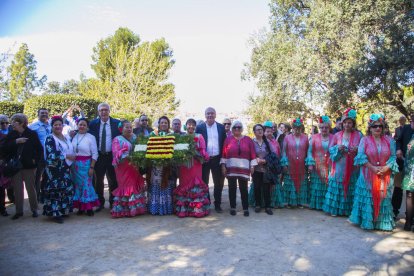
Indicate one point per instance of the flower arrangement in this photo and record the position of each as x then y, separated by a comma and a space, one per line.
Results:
168, 149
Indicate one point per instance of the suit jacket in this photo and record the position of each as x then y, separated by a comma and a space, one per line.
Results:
397, 132
140, 131
94, 126
404, 138
202, 129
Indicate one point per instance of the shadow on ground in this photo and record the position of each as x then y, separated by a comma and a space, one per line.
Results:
293, 241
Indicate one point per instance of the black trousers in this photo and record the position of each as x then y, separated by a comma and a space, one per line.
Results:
40, 179
104, 167
409, 215
243, 192
260, 187
213, 165
2, 199
396, 200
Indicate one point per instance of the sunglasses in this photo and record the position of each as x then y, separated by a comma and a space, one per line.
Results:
237, 127
377, 126
226, 124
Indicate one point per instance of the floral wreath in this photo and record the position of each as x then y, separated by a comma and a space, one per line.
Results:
120, 126
375, 117
349, 113
297, 122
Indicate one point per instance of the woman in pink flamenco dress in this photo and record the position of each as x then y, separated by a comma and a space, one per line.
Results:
129, 197
191, 195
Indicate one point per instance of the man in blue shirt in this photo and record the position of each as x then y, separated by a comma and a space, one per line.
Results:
43, 129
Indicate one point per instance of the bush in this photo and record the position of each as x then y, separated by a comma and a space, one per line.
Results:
57, 104
9, 108
124, 116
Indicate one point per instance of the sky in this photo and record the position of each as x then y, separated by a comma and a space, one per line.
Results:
209, 40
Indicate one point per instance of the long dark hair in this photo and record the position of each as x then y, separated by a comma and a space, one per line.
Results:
264, 137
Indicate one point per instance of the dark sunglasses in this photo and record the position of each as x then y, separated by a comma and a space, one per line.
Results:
237, 127
4, 123
377, 126
226, 124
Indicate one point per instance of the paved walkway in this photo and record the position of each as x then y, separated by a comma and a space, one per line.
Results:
291, 242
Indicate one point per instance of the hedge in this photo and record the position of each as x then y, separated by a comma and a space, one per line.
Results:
124, 116
57, 104
9, 108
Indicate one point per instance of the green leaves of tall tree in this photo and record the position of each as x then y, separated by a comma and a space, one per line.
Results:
132, 77
22, 77
321, 56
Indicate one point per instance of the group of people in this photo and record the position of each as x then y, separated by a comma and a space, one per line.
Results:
338, 170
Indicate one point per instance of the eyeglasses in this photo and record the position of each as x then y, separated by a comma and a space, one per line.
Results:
377, 126
237, 127
4, 123
226, 124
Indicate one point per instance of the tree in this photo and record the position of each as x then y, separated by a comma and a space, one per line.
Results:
68, 87
22, 74
132, 77
105, 51
321, 56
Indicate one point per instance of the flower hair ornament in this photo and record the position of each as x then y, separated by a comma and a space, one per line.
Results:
375, 117
349, 113
324, 120
297, 122
56, 117
121, 126
268, 124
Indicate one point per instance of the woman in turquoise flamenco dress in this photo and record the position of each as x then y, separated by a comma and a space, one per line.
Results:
408, 184
343, 175
318, 163
372, 208
295, 148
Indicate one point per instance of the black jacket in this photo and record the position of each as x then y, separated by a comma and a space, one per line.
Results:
32, 149
94, 126
404, 138
202, 129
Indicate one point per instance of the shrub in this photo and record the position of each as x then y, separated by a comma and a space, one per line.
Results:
124, 116
57, 104
9, 108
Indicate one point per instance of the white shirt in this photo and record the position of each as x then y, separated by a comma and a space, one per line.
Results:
85, 145
108, 135
65, 147
212, 140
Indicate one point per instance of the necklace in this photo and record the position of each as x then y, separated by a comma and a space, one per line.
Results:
78, 141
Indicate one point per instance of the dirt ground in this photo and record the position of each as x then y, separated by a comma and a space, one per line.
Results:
291, 242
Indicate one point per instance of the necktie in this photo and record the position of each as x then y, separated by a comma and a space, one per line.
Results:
103, 141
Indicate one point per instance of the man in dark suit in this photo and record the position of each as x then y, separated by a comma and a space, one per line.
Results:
104, 128
214, 135
143, 128
402, 138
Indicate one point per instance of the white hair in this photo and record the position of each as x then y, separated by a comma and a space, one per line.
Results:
102, 105
236, 123
210, 108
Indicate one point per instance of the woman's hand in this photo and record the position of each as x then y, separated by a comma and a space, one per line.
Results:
90, 172
223, 170
71, 157
21, 140
341, 148
252, 170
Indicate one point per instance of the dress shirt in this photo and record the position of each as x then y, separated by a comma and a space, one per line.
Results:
108, 135
42, 129
212, 140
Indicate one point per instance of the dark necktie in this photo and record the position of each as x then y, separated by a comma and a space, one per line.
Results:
103, 142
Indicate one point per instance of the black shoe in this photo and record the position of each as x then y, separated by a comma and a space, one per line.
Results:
257, 209
300, 206
246, 213
218, 209
407, 226
100, 208
90, 213
35, 214
232, 212
269, 211
4, 213
79, 212
16, 216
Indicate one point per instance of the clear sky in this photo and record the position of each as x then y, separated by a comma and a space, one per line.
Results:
209, 40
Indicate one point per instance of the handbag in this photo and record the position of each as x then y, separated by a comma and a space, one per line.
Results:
14, 165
